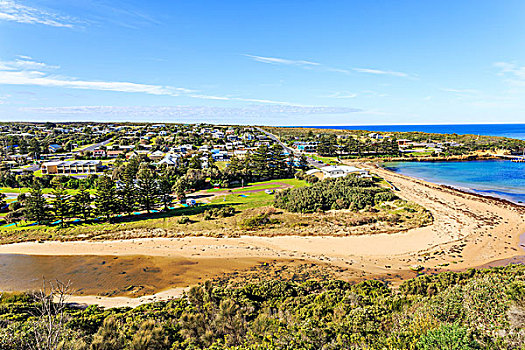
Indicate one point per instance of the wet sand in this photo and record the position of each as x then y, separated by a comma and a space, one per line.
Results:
468, 231
109, 275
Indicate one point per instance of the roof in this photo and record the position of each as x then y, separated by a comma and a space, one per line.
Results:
344, 168
312, 171
72, 163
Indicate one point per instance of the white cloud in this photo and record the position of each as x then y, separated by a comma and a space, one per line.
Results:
37, 78
461, 91
13, 11
514, 73
275, 60
309, 65
24, 63
341, 95
26, 71
251, 114
381, 72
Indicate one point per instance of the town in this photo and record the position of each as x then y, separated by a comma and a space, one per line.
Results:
60, 174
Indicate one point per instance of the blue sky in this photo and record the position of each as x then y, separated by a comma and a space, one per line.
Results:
287, 62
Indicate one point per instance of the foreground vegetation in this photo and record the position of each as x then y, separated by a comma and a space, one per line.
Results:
477, 309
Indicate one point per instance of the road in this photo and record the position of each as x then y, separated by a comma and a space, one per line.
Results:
312, 162
95, 146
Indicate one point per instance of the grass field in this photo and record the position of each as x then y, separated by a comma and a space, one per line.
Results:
145, 221
262, 185
326, 160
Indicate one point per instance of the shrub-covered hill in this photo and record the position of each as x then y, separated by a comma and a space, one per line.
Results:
477, 309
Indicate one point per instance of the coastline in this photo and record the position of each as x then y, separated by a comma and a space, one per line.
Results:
469, 230
470, 190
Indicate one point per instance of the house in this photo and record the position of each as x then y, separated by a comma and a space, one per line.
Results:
71, 167
220, 156
114, 153
157, 155
375, 136
333, 171
99, 153
53, 148
170, 160
403, 142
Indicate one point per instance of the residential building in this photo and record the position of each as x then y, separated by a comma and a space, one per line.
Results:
71, 167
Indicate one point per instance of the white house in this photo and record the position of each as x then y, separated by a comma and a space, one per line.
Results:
333, 171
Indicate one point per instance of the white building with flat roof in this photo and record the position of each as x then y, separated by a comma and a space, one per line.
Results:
333, 171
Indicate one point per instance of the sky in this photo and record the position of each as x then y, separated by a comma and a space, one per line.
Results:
265, 62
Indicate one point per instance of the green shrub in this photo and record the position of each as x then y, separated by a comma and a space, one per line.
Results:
183, 220
258, 221
350, 192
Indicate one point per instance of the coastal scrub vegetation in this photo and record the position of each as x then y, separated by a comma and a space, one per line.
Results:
476, 309
349, 192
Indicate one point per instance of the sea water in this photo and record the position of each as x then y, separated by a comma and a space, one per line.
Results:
497, 178
516, 131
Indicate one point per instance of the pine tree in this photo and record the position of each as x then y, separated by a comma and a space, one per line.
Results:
106, 200
259, 162
147, 189
81, 203
303, 162
60, 206
128, 190
165, 189
36, 206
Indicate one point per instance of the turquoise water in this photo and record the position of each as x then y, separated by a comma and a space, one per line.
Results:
497, 178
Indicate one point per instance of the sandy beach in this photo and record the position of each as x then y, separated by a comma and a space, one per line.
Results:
468, 231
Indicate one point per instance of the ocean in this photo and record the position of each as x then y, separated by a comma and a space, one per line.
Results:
497, 178
516, 131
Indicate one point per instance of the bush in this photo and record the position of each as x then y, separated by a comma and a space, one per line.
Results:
183, 220
221, 212
258, 221
384, 197
447, 336
350, 192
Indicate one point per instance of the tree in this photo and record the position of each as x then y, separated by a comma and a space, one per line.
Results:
81, 203
106, 197
36, 207
128, 190
60, 206
259, 162
165, 189
303, 162
180, 188
3, 203
147, 189
15, 216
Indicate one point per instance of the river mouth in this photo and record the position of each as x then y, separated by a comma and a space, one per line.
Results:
107, 275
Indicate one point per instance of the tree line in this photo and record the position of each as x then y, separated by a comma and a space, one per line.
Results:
141, 186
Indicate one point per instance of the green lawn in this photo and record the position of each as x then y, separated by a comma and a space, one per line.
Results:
251, 200
326, 160
222, 164
262, 185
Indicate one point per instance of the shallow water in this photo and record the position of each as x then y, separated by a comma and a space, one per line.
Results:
111, 275
497, 178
